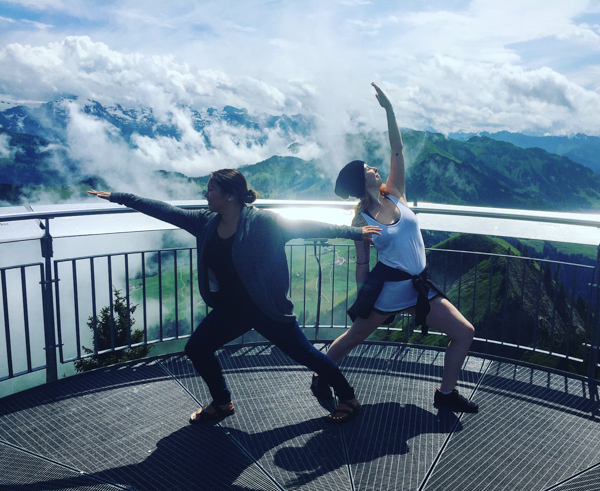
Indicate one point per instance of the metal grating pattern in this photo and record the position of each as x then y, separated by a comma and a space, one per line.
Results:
22, 471
536, 430
393, 447
126, 427
277, 420
586, 481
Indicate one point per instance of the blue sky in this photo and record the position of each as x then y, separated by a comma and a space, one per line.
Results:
530, 66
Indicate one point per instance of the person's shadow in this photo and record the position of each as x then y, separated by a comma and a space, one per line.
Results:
384, 429
220, 457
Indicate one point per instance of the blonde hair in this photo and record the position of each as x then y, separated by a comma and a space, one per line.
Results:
365, 201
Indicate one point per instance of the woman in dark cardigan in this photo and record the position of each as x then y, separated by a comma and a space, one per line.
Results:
243, 276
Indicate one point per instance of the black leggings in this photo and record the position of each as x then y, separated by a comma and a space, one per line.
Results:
221, 326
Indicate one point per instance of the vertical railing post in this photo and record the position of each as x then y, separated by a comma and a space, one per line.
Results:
319, 285
595, 338
48, 305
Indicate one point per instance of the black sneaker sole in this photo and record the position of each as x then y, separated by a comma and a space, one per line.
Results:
471, 410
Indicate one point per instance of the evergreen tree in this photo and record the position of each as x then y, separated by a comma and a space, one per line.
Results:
105, 333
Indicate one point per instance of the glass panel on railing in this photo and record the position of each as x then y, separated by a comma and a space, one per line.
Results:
334, 216
94, 224
21, 229
575, 228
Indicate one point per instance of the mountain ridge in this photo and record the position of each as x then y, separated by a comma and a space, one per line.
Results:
479, 170
581, 148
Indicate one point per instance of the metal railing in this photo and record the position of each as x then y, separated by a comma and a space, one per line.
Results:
73, 309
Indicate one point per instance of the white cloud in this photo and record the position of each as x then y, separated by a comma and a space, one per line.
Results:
453, 95
77, 65
102, 150
488, 30
582, 34
139, 15
37, 25
6, 151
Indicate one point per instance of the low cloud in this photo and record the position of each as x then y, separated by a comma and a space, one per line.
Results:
129, 166
6, 151
443, 92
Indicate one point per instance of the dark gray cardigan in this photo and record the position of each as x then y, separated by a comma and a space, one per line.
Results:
258, 247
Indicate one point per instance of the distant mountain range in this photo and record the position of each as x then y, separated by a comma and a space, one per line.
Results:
484, 172
580, 148
502, 169
477, 172
50, 120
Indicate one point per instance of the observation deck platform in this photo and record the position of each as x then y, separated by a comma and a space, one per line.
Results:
126, 427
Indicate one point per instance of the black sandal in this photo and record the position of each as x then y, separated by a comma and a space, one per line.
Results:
349, 413
201, 415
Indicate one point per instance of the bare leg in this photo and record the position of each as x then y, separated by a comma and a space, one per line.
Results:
446, 318
443, 316
358, 332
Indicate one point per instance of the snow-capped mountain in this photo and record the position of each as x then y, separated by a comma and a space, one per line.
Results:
67, 142
50, 120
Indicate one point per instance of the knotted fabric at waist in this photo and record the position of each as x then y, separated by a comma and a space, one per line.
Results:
371, 289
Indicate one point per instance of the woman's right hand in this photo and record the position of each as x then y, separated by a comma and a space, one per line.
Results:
100, 194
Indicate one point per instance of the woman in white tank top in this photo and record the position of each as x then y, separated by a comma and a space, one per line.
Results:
400, 246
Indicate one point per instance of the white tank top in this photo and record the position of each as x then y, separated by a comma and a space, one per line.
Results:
400, 244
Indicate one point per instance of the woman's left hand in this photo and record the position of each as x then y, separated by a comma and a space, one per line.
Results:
381, 97
369, 230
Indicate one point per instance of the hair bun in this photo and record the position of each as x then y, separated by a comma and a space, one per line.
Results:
251, 196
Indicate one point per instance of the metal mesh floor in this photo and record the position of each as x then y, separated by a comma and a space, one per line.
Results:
126, 427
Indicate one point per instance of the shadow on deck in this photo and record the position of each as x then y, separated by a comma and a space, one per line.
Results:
126, 427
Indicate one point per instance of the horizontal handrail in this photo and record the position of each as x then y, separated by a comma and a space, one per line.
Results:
575, 228
570, 218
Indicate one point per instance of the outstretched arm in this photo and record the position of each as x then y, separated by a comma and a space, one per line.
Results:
185, 219
294, 229
396, 183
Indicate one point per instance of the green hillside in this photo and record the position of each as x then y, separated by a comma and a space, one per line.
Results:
479, 172
289, 177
